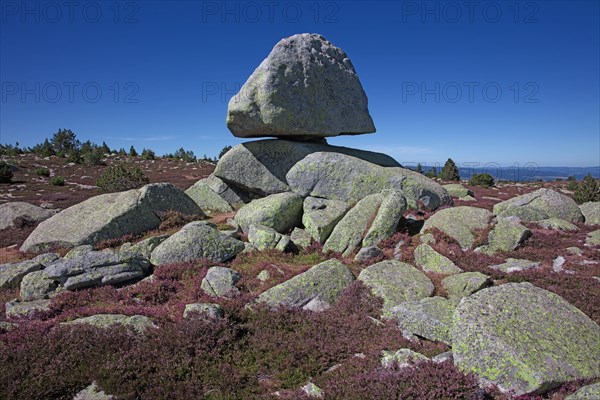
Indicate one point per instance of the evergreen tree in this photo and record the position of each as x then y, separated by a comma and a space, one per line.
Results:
132, 151
449, 171
105, 149
587, 190
64, 142
432, 173
224, 150
419, 168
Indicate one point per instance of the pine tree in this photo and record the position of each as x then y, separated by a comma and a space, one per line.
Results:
432, 173
419, 168
105, 149
587, 190
449, 171
132, 151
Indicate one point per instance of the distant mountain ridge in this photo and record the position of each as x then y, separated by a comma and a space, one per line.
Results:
524, 173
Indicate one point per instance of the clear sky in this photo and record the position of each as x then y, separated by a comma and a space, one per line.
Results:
479, 81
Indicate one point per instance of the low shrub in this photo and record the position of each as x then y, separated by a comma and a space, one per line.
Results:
6, 173
587, 190
58, 181
93, 157
119, 177
483, 180
42, 172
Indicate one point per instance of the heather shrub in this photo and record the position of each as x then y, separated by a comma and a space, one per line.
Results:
119, 177
587, 190
58, 181
42, 172
6, 173
483, 180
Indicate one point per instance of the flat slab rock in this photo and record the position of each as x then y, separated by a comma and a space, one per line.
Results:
525, 339
137, 322
11, 212
307, 88
460, 223
539, 205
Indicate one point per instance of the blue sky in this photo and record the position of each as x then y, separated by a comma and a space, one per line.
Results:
485, 81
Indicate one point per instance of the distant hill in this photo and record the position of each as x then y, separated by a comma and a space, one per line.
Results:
526, 173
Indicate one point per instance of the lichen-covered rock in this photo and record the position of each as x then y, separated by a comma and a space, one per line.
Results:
506, 235
306, 87
368, 253
321, 216
342, 177
282, 212
388, 216
261, 166
142, 249
26, 309
558, 224
204, 310
403, 358
515, 265
348, 233
207, 199
11, 274
460, 223
92, 392
110, 216
36, 286
525, 339
588, 392
591, 212
196, 240
464, 284
395, 282
539, 205
593, 238
316, 289
430, 318
300, 238
220, 282
29, 213
139, 323
313, 391
233, 195
262, 237
458, 190
430, 260
78, 251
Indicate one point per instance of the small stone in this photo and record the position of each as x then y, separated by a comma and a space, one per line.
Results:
92, 392
558, 224
431, 261
589, 392
403, 357
220, 282
300, 238
36, 286
137, 322
368, 253
209, 310
515, 265
574, 251
263, 275
26, 309
313, 391
443, 357
464, 284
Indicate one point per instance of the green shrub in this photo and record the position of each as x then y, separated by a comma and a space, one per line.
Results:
449, 171
432, 173
42, 172
58, 181
483, 180
74, 157
6, 173
119, 177
587, 190
94, 157
148, 154
572, 185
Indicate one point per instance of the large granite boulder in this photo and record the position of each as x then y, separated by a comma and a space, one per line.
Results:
196, 240
392, 207
321, 216
588, 392
316, 289
458, 190
306, 87
591, 212
539, 205
29, 213
506, 235
396, 282
282, 212
220, 282
460, 223
342, 177
110, 216
524, 339
464, 284
262, 238
261, 166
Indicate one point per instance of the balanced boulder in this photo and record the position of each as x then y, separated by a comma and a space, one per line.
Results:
110, 216
524, 339
539, 205
306, 87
